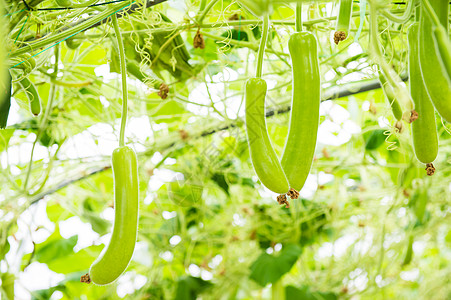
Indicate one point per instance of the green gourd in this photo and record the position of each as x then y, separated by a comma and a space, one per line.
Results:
32, 95
424, 131
263, 157
434, 74
115, 257
300, 145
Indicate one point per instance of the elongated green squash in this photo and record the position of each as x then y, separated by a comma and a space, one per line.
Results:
32, 95
264, 159
434, 74
300, 145
424, 131
115, 257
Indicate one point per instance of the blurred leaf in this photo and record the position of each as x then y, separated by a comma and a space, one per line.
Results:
75, 262
304, 293
188, 288
219, 178
7, 286
56, 213
374, 139
270, 268
55, 247
168, 111
5, 136
4, 248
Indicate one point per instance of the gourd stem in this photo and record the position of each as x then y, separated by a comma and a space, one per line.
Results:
298, 22
394, 81
203, 4
417, 13
431, 13
261, 49
205, 11
278, 290
124, 79
42, 123
404, 17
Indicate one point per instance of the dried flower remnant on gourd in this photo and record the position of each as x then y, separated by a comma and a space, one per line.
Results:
164, 91
430, 169
282, 200
198, 41
293, 194
85, 278
413, 116
339, 36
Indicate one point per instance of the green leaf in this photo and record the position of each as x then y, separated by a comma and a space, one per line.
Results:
269, 268
374, 139
220, 180
304, 293
57, 213
5, 136
448, 239
188, 288
55, 247
168, 111
75, 262
4, 248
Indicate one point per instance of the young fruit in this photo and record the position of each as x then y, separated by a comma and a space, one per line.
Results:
300, 145
115, 257
264, 159
73, 43
32, 95
424, 131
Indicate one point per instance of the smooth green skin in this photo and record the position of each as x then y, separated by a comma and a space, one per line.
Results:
5, 101
264, 158
443, 46
424, 131
133, 68
434, 75
73, 43
32, 95
300, 145
344, 16
390, 96
115, 257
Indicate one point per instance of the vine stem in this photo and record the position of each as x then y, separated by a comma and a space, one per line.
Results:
261, 49
277, 290
298, 22
404, 17
431, 13
42, 124
400, 91
61, 36
120, 45
206, 10
82, 26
